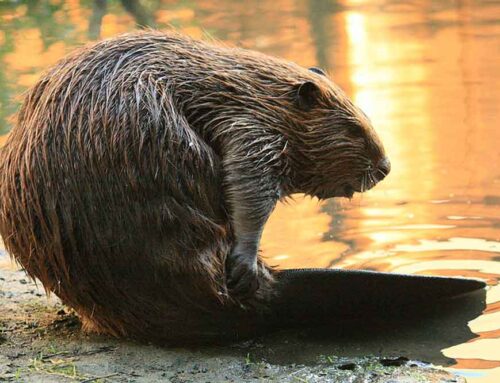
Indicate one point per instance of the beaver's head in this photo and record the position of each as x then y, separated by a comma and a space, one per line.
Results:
341, 152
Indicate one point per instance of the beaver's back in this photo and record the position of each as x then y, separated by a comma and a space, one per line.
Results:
110, 199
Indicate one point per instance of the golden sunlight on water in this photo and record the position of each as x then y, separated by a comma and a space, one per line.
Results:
430, 94
425, 72
441, 145
302, 221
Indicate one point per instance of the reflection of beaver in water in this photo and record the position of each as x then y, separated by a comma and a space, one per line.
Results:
143, 168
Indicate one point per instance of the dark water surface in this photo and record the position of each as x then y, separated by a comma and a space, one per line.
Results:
426, 72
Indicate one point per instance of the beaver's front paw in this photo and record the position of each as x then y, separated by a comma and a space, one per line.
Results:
242, 275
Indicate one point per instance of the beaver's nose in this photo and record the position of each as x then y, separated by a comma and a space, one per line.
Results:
383, 168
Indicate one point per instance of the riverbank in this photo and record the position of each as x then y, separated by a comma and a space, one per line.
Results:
41, 341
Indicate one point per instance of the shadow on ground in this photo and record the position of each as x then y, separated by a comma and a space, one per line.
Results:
41, 341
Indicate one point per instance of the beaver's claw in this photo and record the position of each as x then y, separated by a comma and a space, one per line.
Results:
242, 275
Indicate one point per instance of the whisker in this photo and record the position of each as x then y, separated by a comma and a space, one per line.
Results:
380, 171
372, 180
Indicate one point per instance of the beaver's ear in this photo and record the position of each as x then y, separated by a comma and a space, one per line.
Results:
317, 71
307, 95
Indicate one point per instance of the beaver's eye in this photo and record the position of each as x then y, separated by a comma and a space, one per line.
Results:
355, 131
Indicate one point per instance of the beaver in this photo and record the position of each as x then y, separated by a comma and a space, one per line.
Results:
141, 171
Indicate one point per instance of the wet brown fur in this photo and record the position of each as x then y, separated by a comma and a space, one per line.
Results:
112, 185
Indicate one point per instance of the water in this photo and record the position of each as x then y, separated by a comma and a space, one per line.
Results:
425, 72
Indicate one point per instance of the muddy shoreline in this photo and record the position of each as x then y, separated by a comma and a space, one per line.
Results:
41, 341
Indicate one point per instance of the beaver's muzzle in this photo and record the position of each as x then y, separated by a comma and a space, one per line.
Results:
382, 169
369, 179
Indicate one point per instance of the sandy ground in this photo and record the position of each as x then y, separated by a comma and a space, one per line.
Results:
41, 341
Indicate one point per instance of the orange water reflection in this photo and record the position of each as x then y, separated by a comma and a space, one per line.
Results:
426, 74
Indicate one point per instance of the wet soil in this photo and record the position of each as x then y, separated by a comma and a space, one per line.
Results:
41, 341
